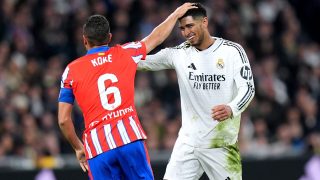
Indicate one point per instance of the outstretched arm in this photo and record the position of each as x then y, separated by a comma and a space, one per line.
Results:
162, 31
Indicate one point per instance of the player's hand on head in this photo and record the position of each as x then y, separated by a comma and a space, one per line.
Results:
82, 160
181, 10
221, 112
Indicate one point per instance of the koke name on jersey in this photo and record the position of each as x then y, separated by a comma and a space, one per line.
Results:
101, 60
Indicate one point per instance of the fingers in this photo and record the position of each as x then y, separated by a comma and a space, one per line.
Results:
220, 116
82, 161
191, 5
184, 8
220, 113
84, 166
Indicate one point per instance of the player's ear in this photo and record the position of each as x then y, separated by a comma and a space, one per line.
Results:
109, 38
205, 21
85, 41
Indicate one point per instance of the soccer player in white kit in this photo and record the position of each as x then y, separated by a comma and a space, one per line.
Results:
216, 85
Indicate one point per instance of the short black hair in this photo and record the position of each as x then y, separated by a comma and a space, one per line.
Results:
196, 12
97, 29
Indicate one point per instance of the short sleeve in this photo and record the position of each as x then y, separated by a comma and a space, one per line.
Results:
137, 50
66, 93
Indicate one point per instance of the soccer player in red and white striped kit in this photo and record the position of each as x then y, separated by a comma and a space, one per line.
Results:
102, 83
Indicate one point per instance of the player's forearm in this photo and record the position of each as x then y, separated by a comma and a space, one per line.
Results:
156, 62
66, 125
69, 133
162, 31
243, 98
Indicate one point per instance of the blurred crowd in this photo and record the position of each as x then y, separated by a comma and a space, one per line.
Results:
39, 37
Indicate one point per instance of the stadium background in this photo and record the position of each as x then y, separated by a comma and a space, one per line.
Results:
280, 130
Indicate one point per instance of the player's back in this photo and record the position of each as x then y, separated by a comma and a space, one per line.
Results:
103, 83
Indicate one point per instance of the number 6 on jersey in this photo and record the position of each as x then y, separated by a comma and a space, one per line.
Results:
104, 92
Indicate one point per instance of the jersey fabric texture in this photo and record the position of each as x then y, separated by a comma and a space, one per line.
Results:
102, 82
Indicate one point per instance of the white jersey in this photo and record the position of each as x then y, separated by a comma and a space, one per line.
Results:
220, 74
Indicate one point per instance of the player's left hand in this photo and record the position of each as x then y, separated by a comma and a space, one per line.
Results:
82, 160
221, 112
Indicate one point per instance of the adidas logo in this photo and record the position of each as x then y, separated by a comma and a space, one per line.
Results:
192, 66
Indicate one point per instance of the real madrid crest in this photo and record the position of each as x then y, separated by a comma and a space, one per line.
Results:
220, 63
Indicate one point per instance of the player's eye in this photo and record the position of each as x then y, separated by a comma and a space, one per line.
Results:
189, 25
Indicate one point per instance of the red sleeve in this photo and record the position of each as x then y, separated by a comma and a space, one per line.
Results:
66, 80
137, 50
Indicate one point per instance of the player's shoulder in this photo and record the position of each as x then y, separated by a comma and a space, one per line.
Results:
183, 46
77, 61
80, 62
131, 45
235, 49
233, 46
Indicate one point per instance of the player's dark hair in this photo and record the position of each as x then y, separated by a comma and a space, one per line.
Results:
96, 30
197, 12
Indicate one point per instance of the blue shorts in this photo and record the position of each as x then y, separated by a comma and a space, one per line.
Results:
128, 162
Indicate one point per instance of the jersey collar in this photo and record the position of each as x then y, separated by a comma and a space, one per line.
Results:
98, 49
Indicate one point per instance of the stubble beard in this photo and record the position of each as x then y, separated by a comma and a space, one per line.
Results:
198, 41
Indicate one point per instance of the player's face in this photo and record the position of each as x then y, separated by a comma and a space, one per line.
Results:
193, 29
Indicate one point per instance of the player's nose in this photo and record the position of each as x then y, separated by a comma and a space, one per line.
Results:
187, 31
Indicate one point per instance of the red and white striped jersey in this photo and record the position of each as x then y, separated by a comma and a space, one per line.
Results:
112, 135
102, 82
